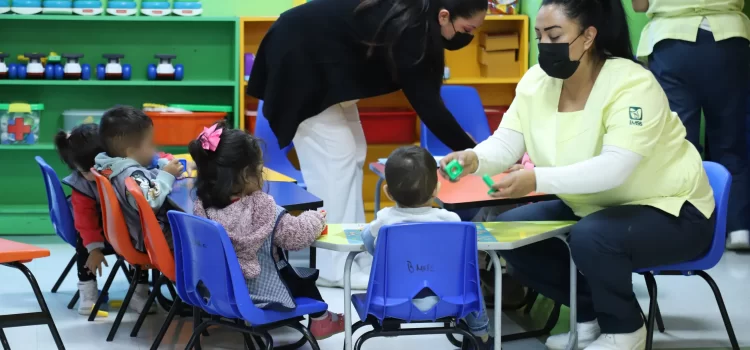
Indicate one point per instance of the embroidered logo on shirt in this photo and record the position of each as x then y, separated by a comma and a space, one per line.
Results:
636, 116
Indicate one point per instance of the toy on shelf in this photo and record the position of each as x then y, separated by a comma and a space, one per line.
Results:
4, 6
19, 123
7, 71
249, 60
113, 70
187, 8
122, 8
34, 69
88, 8
454, 169
73, 69
155, 8
60, 7
488, 180
502, 7
165, 70
53, 68
26, 7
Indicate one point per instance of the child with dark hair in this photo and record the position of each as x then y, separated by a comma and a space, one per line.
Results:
412, 182
127, 135
78, 150
229, 189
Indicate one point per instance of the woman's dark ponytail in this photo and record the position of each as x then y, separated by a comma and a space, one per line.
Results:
609, 19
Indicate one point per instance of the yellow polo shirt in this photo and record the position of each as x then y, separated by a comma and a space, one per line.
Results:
627, 109
680, 20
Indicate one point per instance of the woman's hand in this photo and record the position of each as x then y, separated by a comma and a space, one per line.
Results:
515, 167
515, 184
467, 159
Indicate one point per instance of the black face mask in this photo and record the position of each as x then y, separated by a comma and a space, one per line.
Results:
554, 59
458, 41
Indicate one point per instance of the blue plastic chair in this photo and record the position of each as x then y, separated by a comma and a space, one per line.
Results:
720, 180
445, 265
466, 106
274, 157
209, 277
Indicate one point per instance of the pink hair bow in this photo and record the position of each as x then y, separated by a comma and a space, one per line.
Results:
210, 137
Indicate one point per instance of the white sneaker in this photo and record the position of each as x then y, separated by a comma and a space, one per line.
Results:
138, 301
587, 333
626, 341
739, 239
88, 292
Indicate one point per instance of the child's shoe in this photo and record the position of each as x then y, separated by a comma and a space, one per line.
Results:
488, 343
138, 301
88, 293
327, 325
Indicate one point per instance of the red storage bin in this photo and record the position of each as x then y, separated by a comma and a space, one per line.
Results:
178, 129
388, 125
495, 116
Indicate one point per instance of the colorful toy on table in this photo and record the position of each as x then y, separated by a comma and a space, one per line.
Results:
4, 6
26, 7
488, 180
454, 169
325, 229
249, 60
87, 7
122, 8
73, 69
19, 123
113, 70
187, 8
59, 7
165, 70
156, 8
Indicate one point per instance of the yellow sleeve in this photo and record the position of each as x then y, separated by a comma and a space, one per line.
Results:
637, 113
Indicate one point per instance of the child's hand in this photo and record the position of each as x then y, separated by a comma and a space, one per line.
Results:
174, 167
95, 261
190, 168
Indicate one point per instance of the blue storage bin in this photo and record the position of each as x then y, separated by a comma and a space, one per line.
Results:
187, 5
155, 5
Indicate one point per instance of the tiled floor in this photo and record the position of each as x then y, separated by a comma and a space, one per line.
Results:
690, 313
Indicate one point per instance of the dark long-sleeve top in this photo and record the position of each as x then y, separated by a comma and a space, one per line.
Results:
316, 55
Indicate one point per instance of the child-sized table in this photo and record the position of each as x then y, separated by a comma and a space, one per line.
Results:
491, 237
269, 174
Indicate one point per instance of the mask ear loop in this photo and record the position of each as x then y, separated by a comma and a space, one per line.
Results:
571, 43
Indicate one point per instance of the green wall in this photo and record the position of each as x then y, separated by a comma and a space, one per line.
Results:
530, 7
245, 7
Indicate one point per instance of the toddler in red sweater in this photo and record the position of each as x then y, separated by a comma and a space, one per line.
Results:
229, 189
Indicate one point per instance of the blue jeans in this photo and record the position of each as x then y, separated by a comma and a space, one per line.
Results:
478, 322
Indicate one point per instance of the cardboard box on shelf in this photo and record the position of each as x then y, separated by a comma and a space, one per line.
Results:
499, 41
499, 64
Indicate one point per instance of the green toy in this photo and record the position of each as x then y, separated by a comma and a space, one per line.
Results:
454, 169
488, 180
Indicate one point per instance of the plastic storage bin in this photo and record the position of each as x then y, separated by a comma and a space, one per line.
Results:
19, 123
178, 129
388, 125
495, 116
76, 117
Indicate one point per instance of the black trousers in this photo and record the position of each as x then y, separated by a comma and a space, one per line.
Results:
712, 77
606, 247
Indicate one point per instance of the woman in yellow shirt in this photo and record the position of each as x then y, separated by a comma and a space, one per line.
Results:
599, 129
699, 52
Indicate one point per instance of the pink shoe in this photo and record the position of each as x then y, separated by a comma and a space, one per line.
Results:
326, 327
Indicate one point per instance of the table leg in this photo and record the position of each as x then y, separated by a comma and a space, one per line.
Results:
378, 186
573, 338
348, 300
497, 327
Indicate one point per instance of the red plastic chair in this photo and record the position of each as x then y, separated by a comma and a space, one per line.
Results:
116, 232
161, 258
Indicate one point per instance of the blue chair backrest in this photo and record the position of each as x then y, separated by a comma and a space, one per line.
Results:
466, 106
720, 180
410, 257
207, 270
59, 209
274, 157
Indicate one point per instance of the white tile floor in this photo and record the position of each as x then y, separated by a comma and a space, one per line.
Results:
690, 313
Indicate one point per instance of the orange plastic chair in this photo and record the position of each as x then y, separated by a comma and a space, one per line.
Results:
161, 258
116, 232
13, 255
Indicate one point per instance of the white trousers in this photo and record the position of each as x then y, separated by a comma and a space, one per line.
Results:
331, 148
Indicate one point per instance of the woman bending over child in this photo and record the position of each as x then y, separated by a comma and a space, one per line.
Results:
229, 189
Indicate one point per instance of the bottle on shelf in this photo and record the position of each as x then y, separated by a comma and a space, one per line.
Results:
122, 8
156, 8
187, 8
